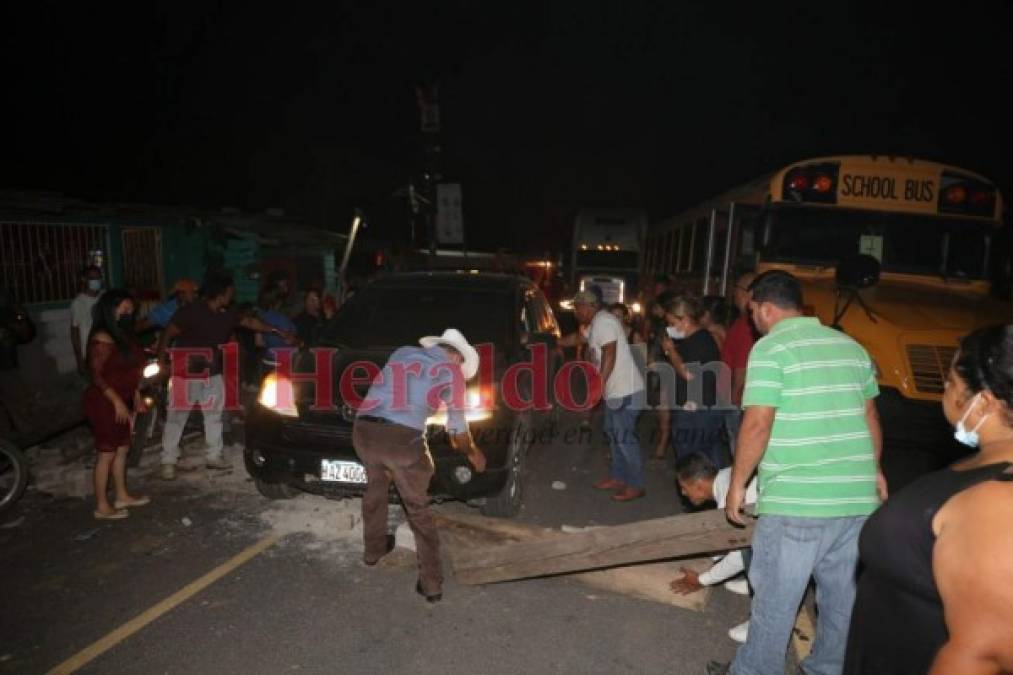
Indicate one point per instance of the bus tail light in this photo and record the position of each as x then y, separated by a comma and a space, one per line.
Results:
955, 195
966, 195
799, 182
812, 183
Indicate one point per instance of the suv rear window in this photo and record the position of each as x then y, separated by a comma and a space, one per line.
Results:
392, 317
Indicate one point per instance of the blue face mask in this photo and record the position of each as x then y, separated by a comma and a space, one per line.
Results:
969, 438
94, 284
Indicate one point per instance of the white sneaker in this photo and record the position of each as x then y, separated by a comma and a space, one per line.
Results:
738, 586
739, 633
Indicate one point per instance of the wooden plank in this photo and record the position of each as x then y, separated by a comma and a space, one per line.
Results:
466, 532
680, 536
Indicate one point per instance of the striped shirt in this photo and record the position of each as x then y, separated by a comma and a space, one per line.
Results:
819, 461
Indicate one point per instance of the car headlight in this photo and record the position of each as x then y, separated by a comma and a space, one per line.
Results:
478, 404
277, 394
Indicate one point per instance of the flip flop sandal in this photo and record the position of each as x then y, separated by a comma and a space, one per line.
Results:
119, 514
140, 501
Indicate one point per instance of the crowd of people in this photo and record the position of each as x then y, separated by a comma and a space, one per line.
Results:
914, 582
107, 339
917, 581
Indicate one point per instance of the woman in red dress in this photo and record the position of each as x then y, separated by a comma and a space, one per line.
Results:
115, 362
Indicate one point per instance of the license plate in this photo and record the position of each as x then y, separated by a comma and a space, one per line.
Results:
342, 472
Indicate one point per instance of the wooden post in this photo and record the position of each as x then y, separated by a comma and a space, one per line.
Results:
680, 536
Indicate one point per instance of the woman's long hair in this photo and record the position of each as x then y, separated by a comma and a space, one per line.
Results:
104, 319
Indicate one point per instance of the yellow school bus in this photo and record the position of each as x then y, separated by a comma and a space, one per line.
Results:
934, 230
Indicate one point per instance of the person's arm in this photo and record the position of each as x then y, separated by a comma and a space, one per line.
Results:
99, 353
168, 335
738, 383
972, 562
572, 340
724, 569
876, 431
258, 326
608, 361
464, 443
75, 341
749, 449
675, 358
75, 338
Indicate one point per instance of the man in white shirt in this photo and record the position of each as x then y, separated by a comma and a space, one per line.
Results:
80, 314
701, 482
621, 381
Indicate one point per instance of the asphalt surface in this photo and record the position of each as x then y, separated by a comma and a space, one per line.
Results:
306, 604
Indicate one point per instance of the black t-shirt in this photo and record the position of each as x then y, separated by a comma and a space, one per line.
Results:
201, 326
308, 328
699, 351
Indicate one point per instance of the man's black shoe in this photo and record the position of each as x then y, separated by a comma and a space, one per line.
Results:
717, 668
390, 547
435, 597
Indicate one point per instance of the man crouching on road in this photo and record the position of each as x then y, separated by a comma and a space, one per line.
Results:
389, 436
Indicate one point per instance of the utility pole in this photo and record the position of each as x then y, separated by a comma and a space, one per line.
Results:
427, 97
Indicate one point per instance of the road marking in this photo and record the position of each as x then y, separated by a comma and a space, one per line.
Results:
803, 634
106, 643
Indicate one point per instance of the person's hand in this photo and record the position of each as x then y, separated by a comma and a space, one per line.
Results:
733, 505
477, 459
881, 488
666, 343
688, 583
140, 407
121, 411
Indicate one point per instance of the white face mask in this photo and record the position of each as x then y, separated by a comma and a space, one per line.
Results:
675, 333
969, 438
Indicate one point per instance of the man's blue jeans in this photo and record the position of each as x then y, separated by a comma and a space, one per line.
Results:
621, 430
787, 551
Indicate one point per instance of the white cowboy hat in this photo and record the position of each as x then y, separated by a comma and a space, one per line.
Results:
453, 338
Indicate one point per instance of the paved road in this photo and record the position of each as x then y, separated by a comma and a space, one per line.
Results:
307, 605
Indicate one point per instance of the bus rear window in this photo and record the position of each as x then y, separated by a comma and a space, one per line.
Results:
905, 243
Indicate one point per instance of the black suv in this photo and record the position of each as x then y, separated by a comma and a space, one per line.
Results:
311, 450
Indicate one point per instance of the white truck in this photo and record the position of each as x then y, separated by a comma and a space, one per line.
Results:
606, 252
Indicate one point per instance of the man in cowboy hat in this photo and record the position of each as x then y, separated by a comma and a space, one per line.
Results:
389, 436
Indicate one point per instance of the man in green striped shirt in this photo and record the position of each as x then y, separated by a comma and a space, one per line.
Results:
811, 425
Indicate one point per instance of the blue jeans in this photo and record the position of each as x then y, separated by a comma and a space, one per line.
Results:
787, 551
733, 421
621, 430
699, 431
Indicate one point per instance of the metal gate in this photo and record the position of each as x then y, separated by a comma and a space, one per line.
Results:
142, 261
42, 262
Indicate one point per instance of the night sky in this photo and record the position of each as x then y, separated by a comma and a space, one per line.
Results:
546, 107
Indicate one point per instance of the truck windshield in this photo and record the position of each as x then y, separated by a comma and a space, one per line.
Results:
391, 317
905, 243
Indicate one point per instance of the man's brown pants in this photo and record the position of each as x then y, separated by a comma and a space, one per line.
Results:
398, 453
